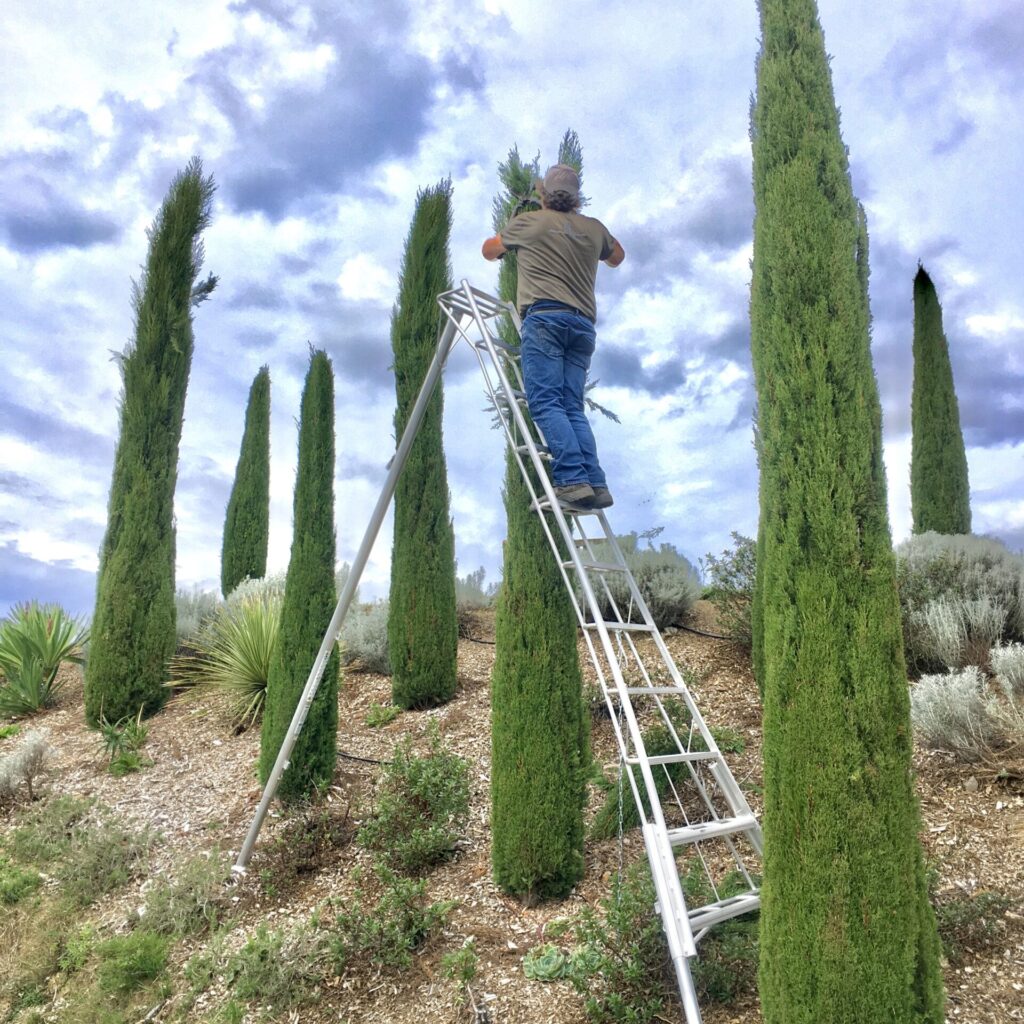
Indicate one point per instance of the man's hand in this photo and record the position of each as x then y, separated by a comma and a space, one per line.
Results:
617, 256
493, 249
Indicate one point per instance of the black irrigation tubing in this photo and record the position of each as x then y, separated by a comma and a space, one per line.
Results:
701, 632
365, 760
477, 640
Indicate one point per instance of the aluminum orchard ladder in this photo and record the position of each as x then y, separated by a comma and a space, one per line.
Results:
689, 803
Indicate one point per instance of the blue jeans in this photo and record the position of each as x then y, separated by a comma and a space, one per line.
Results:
556, 351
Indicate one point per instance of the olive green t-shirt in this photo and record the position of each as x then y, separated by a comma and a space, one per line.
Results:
558, 255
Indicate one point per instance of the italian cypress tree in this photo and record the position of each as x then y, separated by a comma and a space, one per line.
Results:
309, 600
133, 623
847, 934
539, 737
423, 631
246, 525
940, 497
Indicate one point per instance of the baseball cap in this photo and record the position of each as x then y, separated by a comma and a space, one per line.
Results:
562, 178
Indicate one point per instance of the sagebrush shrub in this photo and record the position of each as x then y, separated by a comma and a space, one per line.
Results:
274, 968
959, 596
1008, 665
193, 608
364, 637
192, 901
953, 712
667, 581
23, 767
266, 588
422, 807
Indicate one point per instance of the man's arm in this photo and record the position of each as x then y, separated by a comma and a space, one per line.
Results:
618, 254
493, 248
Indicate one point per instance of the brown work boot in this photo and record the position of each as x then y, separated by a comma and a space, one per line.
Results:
575, 494
602, 498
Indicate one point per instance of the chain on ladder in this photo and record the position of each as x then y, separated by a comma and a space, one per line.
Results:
693, 800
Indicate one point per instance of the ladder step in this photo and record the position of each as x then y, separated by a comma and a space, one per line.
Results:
512, 350
598, 566
705, 917
677, 691
623, 627
543, 451
680, 758
711, 829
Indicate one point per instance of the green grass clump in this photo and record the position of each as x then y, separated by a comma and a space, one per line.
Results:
16, 883
381, 714
46, 830
101, 858
127, 962
193, 902
275, 969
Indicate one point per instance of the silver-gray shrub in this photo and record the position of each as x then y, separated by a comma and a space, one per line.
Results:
364, 637
265, 589
982, 583
194, 609
954, 712
1008, 665
21, 769
667, 581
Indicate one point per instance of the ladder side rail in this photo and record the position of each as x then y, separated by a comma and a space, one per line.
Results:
445, 342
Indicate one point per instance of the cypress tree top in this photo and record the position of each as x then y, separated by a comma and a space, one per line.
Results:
939, 489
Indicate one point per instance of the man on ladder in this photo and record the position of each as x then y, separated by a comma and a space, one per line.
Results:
559, 250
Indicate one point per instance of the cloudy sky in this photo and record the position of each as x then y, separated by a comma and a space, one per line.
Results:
320, 121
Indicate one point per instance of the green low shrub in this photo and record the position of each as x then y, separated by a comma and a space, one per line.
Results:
102, 857
623, 975
971, 923
730, 587
422, 807
381, 714
387, 933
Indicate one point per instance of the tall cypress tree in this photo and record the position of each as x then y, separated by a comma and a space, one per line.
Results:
940, 496
246, 525
423, 631
309, 600
538, 727
847, 934
133, 624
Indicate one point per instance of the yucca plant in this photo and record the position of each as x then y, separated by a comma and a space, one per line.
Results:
233, 656
34, 641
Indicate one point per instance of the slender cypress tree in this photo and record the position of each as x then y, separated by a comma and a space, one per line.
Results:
246, 525
538, 727
940, 496
423, 630
309, 600
847, 934
133, 624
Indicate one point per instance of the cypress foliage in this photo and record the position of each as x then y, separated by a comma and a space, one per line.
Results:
309, 601
847, 934
423, 631
940, 496
246, 525
133, 623
539, 739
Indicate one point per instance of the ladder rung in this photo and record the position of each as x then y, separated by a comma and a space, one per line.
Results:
705, 917
622, 627
711, 829
598, 566
542, 450
680, 758
652, 690
512, 350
